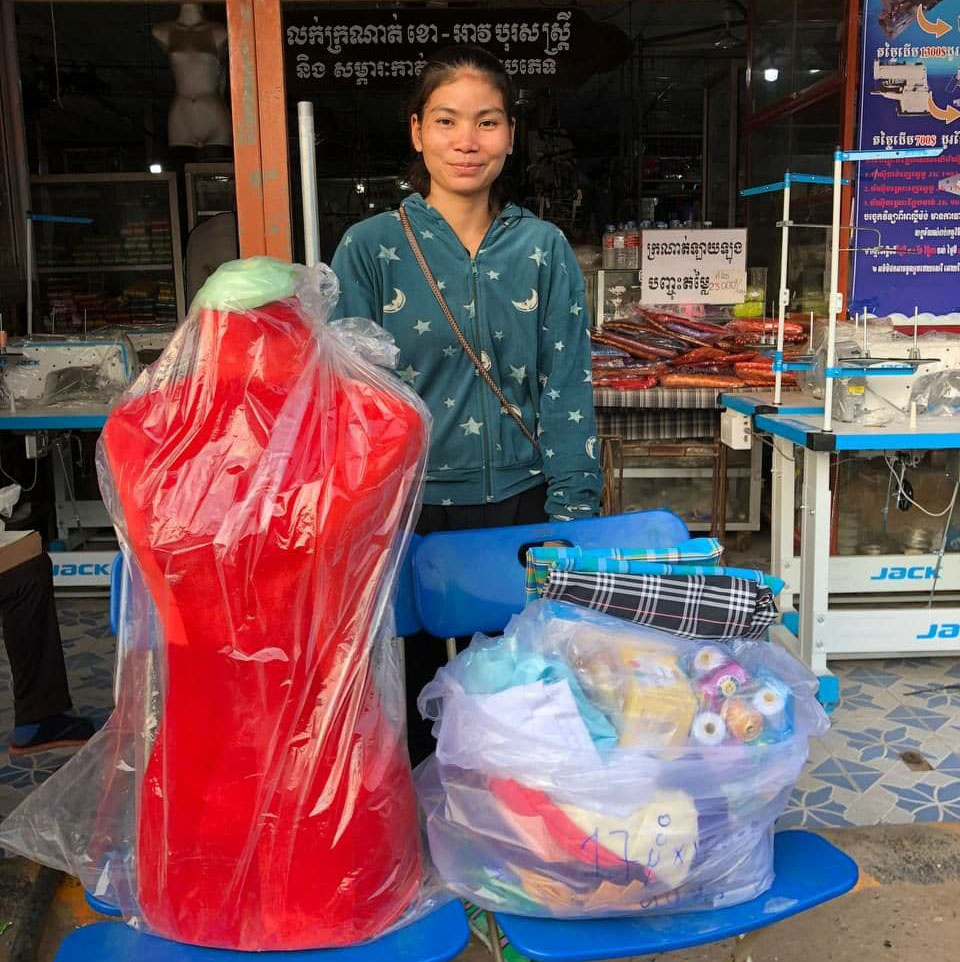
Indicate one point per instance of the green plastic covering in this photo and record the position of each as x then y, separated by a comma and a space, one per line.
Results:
247, 284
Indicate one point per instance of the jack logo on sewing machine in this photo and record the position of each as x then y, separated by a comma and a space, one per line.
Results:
916, 573
941, 631
84, 570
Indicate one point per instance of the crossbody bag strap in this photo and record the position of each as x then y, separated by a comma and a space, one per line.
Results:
455, 327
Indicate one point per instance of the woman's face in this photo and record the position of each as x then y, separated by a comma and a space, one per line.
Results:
464, 135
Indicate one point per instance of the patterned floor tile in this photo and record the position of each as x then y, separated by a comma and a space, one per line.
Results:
846, 773
813, 807
869, 744
862, 697
872, 674
824, 747
899, 666
930, 803
918, 718
89, 656
944, 700
898, 816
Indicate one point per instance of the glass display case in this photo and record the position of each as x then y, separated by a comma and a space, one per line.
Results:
610, 294
210, 191
124, 268
683, 485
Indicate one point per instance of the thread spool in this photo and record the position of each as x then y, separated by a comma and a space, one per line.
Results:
708, 729
722, 683
743, 722
770, 700
708, 659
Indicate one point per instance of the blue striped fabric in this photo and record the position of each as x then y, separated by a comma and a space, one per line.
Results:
541, 561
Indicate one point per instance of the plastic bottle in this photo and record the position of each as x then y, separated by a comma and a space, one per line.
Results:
620, 247
609, 257
632, 236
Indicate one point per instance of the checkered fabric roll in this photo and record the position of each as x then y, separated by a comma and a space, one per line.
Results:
715, 607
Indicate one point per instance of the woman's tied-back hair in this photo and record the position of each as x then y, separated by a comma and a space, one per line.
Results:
441, 68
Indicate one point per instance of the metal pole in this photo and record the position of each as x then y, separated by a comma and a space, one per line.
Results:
308, 183
784, 291
13, 107
733, 171
836, 298
705, 172
29, 253
814, 558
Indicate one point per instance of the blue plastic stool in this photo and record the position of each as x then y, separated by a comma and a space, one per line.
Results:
809, 871
104, 908
437, 937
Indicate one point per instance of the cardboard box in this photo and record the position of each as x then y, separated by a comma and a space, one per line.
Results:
16, 547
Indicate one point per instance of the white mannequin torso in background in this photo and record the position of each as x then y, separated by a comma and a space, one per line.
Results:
198, 115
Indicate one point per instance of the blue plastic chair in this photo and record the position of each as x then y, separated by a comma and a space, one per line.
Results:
404, 601
470, 581
437, 937
467, 581
809, 871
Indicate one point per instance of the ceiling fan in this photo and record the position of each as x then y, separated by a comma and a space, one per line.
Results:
721, 36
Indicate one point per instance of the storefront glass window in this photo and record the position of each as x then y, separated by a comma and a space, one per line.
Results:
796, 44
801, 142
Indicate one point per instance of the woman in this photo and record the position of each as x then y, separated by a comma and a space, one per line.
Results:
523, 448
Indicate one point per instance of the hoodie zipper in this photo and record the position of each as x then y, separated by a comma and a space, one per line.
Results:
486, 449
487, 434
486, 444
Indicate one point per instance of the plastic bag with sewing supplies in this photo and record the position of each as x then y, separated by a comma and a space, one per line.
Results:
586, 766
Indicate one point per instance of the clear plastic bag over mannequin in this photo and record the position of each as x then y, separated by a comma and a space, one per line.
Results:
252, 788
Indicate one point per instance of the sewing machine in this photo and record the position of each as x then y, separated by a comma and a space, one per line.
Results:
53, 387
897, 15
905, 83
54, 371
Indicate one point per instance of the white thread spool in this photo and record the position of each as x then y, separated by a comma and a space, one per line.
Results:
708, 659
708, 729
772, 704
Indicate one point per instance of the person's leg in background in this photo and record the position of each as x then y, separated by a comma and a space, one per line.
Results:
31, 635
424, 654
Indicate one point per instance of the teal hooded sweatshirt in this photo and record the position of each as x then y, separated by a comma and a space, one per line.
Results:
520, 304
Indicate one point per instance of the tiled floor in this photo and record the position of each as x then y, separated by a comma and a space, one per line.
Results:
855, 776
88, 647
